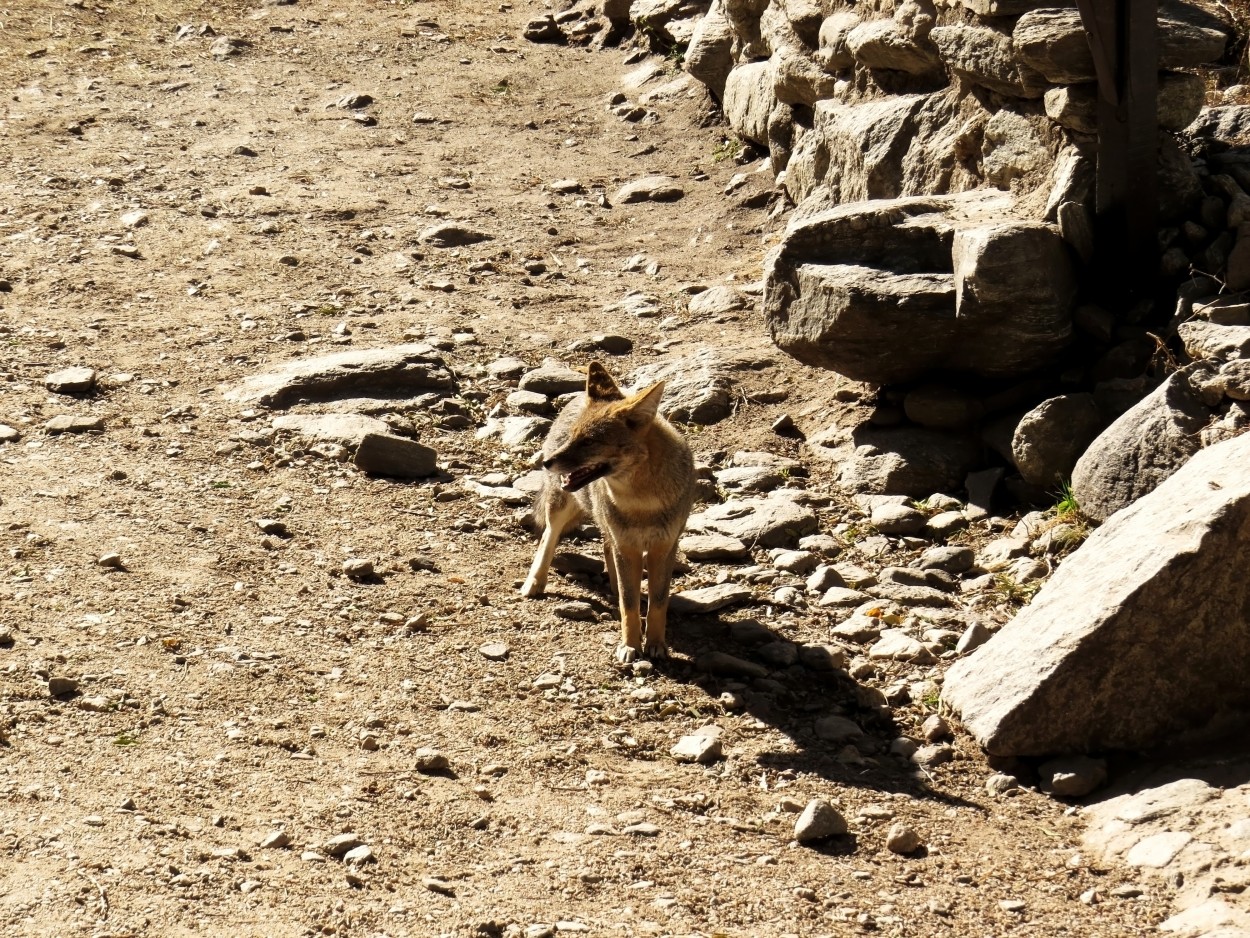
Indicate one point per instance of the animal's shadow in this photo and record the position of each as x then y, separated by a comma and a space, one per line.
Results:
747, 665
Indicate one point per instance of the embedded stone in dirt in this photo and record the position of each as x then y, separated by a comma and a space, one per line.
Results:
495, 651
71, 381
345, 429
650, 189
9, 434
712, 547
902, 840
66, 423
395, 456
453, 235
395, 370
553, 378
702, 749
773, 521
716, 301
358, 568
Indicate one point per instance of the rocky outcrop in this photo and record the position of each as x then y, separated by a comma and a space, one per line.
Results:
895, 290
1118, 650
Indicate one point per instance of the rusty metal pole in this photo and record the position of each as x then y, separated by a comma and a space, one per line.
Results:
1123, 37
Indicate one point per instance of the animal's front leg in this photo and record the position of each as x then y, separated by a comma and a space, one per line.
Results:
559, 512
629, 589
659, 579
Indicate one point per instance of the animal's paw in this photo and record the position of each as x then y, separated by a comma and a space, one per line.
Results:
656, 651
532, 589
625, 654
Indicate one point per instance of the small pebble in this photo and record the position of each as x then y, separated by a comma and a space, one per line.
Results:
430, 760
495, 651
111, 561
357, 568
819, 821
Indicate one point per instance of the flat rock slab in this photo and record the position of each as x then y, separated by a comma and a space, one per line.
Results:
709, 598
768, 522
67, 423
395, 456
553, 378
1137, 637
345, 429
712, 547
453, 235
71, 381
387, 372
698, 388
649, 189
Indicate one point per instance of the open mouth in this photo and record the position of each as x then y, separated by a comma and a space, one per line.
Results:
580, 478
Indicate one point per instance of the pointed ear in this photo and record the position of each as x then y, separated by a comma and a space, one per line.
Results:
600, 386
645, 405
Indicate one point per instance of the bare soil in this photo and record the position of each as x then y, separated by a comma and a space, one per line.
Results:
232, 683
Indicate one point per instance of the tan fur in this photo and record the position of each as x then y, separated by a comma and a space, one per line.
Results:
640, 502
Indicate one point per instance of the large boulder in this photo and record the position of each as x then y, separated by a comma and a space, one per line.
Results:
993, 299
983, 55
1141, 633
1052, 41
709, 57
1051, 437
749, 99
887, 45
1146, 444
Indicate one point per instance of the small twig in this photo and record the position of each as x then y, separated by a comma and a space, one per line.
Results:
104, 899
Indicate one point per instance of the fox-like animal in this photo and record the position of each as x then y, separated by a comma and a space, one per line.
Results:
615, 458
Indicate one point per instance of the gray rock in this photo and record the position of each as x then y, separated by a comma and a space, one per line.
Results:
897, 645
1076, 106
941, 407
453, 234
819, 821
697, 748
798, 78
952, 559
495, 651
553, 378
772, 521
713, 547
909, 461
515, 432
395, 456
1142, 448
697, 388
716, 301
1234, 375
60, 686
902, 840
1052, 41
842, 597
935, 729
933, 755
778, 655
709, 57
749, 478
1051, 437
727, 665
1072, 776
886, 44
575, 611
749, 99
9, 434
975, 635
822, 657
836, 729
649, 189
944, 524
983, 55
358, 568
68, 423
897, 519
1045, 683
386, 372
709, 598
833, 53
71, 381
824, 577
507, 369
345, 429
544, 29
529, 402
1207, 341
341, 843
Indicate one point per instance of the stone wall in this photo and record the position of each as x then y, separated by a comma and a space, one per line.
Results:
940, 160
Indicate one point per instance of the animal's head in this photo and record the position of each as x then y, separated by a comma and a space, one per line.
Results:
607, 436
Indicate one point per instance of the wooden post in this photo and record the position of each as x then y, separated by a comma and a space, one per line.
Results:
1123, 37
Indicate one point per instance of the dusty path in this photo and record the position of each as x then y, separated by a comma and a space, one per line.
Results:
232, 684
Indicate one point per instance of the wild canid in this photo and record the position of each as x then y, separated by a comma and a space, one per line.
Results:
615, 458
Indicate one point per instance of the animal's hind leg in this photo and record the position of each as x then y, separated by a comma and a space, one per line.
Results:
561, 512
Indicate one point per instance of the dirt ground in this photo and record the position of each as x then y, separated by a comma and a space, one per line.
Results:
232, 684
